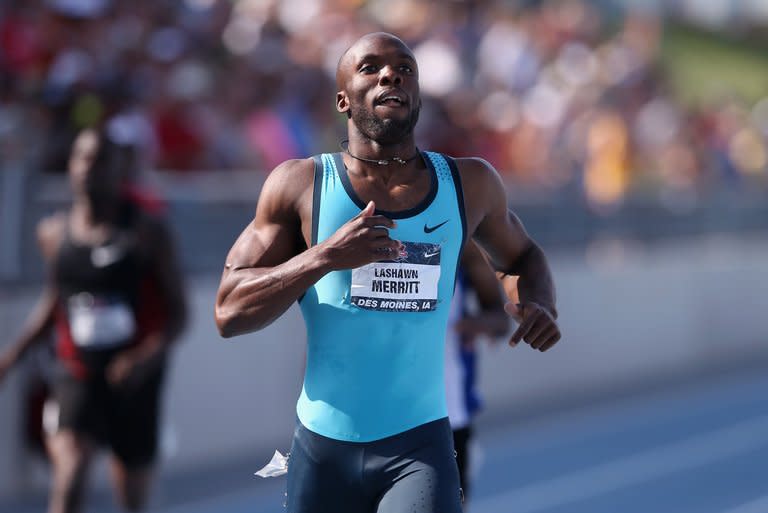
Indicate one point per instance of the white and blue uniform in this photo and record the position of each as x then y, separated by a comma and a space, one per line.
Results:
460, 382
375, 353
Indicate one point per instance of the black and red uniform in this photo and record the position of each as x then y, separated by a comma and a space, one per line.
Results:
107, 303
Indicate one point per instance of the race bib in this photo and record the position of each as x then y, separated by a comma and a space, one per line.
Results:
407, 284
98, 322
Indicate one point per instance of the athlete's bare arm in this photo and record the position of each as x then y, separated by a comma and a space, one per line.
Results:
491, 320
40, 320
511, 251
269, 267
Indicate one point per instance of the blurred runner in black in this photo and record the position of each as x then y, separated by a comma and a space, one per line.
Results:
114, 300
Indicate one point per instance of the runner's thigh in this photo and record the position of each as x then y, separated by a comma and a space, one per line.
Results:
324, 475
424, 480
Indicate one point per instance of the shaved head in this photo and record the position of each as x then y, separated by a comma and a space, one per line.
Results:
360, 48
378, 88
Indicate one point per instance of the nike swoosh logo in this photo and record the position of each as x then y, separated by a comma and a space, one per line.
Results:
104, 256
430, 255
430, 229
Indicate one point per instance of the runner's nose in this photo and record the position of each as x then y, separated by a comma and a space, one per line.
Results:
390, 75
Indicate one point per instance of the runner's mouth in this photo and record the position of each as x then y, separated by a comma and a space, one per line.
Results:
391, 99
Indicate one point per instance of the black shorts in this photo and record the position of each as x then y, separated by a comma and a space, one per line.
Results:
461, 438
414, 471
124, 418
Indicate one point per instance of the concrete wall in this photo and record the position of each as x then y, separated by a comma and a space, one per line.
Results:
628, 313
635, 315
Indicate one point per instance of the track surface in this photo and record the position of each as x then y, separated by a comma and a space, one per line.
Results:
701, 447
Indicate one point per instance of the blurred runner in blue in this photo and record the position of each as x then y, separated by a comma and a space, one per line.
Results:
469, 320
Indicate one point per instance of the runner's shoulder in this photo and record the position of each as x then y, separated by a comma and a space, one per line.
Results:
289, 182
294, 173
478, 175
50, 232
474, 165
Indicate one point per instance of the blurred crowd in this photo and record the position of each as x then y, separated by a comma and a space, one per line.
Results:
561, 95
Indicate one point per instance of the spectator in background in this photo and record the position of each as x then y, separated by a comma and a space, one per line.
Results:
520, 82
111, 266
466, 325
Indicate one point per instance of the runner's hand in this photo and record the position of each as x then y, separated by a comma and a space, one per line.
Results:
121, 368
537, 328
362, 240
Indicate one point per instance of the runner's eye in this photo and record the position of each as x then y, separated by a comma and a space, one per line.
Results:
368, 68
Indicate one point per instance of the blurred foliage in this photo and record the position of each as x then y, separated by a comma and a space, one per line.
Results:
702, 66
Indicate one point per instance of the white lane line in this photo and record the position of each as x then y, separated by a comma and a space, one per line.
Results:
759, 505
644, 466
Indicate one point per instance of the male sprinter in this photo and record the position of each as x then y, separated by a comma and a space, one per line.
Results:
368, 242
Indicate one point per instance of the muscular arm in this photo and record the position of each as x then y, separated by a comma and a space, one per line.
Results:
251, 296
268, 268
491, 320
534, 283
265, 270
511, 251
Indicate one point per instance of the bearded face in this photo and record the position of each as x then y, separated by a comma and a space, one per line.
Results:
378, 83
383, 130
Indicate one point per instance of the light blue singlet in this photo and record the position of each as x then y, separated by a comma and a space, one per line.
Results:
375, 348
